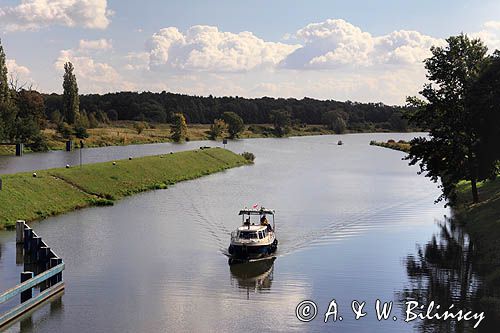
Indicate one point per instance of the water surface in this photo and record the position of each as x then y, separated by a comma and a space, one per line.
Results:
347, 218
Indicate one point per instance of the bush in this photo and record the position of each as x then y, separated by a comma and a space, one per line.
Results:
81, 132
248, 156
65, 130
391, 141
139, 127
39, 143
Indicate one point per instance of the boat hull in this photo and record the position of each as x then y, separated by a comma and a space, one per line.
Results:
241, 251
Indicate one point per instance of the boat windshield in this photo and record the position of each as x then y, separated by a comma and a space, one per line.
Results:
248, 234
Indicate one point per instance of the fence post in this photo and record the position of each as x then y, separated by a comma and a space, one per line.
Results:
28, 235
69, 145
58, 277
20, 231
26, 295
19, 149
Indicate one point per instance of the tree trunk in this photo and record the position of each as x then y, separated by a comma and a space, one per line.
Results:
475, 196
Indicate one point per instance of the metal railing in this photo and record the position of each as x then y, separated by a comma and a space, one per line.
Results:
46, 273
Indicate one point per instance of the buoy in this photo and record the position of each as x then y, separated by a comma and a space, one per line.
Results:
34, 174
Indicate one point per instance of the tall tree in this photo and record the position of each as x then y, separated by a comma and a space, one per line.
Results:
7, 109
234, 123
71, 100
451, 151
4, 83
484, 100
179, 127
281, 122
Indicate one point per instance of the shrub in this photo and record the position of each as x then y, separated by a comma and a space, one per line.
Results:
81, 132
391, 141
248, 156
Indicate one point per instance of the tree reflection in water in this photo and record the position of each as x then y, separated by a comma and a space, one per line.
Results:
443, 271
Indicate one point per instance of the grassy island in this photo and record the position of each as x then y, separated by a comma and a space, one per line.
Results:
56, 191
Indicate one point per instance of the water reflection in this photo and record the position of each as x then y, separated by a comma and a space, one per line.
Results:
253, 276
443, 271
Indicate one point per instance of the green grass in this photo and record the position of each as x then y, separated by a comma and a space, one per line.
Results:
56, 191
24, 197
482, 222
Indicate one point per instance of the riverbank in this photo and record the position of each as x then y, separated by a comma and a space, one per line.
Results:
57, 191
121, 133
482, 223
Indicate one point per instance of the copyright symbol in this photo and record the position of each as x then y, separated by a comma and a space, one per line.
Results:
306, 311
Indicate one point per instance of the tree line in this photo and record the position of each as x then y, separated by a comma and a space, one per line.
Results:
161, 107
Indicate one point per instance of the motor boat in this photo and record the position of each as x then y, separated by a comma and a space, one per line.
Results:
255, 239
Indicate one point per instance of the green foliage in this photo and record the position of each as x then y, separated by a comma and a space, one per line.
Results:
65, 130
281, 122
4, 84
31, 104
179, 128
248, 156
55, 117
336, 120
93, 122
452, 153
81, 132
71, 101
139, 126
235, 124
217, 129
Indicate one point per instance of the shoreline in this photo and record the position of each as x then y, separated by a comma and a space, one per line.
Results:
481, 221
122, 133
61, 190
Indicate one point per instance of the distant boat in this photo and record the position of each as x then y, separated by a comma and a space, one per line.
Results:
340, 143
252, 241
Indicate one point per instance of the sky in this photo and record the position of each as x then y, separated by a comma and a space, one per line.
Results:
366, 51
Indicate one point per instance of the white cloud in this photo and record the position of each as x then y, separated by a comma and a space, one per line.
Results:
19, 74
137, 61
13, 68
98, 44
205, 48
93, 76
36, 14
490, 35
336, 43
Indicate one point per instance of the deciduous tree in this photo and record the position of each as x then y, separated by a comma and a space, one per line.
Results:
451, 151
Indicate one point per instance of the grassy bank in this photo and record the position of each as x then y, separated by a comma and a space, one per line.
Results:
401, 145
56, 191
482, 222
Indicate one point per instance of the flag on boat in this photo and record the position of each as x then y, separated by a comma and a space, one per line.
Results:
255, 206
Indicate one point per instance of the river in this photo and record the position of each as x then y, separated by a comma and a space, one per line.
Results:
349, 218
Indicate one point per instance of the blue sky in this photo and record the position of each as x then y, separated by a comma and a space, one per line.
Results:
356, 50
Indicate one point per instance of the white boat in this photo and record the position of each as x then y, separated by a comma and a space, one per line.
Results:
255, 239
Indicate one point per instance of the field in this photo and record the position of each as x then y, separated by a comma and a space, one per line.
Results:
56, 191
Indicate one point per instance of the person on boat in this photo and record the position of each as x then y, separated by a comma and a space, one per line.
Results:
263, 220
247, 222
